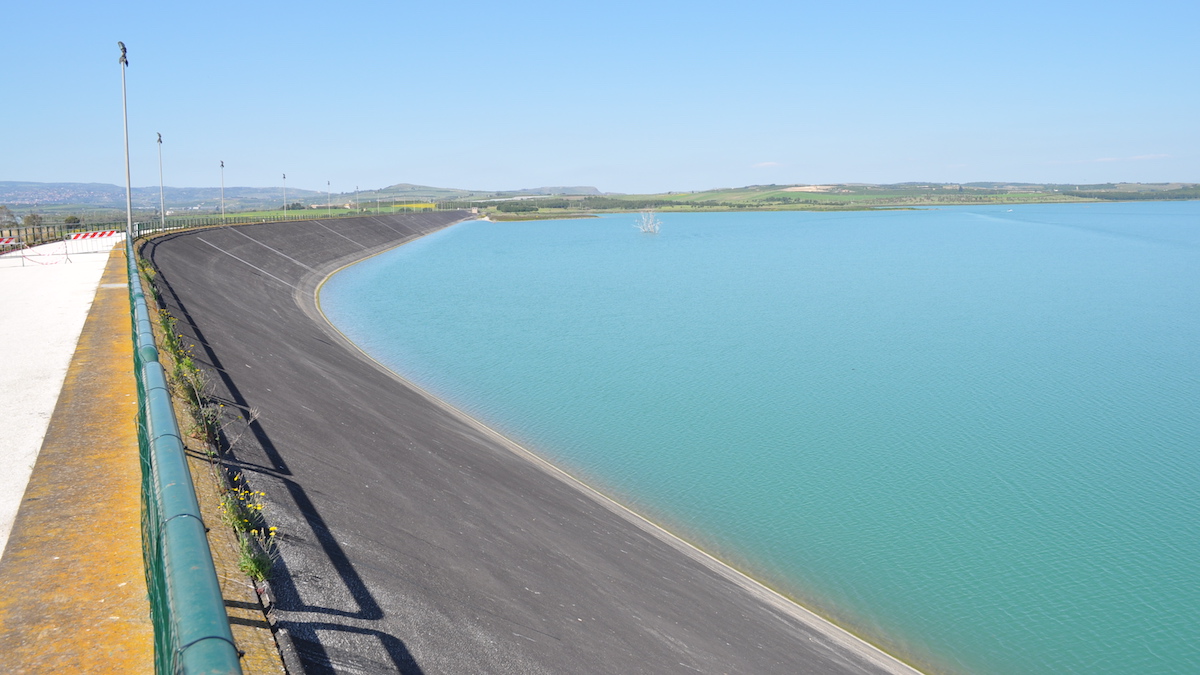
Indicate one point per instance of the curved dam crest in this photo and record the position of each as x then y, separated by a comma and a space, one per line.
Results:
416, 540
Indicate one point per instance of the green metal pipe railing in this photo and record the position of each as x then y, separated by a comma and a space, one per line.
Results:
191, 627
187, 223
50, 232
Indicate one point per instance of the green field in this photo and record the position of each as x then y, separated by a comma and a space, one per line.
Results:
833, 197
338, 211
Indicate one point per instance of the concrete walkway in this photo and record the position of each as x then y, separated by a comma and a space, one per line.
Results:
44, 299
72, 588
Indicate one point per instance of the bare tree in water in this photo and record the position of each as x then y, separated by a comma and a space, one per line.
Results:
647, 223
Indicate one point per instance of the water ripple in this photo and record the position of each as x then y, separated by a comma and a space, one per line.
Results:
970, 434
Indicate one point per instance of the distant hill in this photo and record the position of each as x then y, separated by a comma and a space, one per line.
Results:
99, 202
410, 191
26, 195
20, 193
842, 196
22, 196
559, 191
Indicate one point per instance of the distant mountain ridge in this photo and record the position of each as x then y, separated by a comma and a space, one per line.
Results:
567, 191
24, 194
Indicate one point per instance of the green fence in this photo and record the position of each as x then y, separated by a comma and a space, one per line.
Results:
26, 236
21, 236
191, 627
175, 223
151, 226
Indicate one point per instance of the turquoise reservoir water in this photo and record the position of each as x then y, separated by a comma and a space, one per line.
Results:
968, 434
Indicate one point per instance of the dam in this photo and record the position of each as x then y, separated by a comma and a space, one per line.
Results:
414, 539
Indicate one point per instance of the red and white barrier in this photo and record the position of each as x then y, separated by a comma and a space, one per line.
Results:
93, 235
14, 253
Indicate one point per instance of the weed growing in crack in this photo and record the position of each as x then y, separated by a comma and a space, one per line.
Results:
233, 436
190, 382
149, 274
256, 555
242, 510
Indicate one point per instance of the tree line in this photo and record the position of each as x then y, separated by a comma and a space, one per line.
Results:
1114, 195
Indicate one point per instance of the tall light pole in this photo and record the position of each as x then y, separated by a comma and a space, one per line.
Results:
222, 189
356, 199
285, 196
328, 201
162, 202
125, 113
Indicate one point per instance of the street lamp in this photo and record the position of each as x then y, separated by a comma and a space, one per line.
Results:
222, 189
356, 199
125, 113
162, 202
328, 202
285, 196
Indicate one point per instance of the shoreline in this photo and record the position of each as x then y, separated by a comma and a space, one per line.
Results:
751, 585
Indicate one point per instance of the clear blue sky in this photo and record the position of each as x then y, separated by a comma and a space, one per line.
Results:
628, 97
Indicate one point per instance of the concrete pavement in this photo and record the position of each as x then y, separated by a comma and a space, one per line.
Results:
44, 299
72, 586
